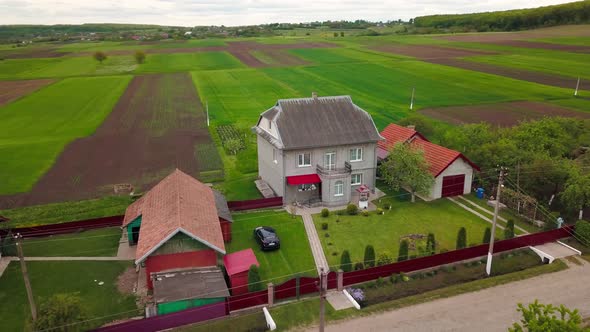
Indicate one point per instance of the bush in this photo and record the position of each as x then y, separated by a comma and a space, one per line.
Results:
509, 230
358, 266
365, 213
380, 282
327, 234
487, 235
403, 251
384, 258
431, 244
59, 311
583, 232
325, 213
386, 206
335, 253
254, 283
139, 57
324, 226
369, 258
345, 262
352, 209
379, 211
462, 238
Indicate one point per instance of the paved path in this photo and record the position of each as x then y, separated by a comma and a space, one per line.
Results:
474, 212
524, 231
125, 251
338, 300
491, 309
4, 261
314, 242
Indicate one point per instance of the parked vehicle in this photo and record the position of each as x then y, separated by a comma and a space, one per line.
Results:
267, 238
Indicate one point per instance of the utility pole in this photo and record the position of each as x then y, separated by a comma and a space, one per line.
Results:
577, 86
23, 268
496, 209
412, 100
322, 298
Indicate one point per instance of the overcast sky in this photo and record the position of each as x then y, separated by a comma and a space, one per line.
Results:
238, 12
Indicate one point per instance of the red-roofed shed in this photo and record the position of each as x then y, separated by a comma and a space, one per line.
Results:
237, 265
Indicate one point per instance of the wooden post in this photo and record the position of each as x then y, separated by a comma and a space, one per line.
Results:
577, 86
322, 299
340, 276
23, 268
271, 294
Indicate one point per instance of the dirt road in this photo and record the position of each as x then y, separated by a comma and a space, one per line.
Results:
492, 309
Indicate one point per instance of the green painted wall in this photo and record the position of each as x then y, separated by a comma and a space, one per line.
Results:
180, 243
135, 223
170, 307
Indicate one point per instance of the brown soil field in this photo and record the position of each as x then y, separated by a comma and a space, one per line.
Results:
559, 31
546, 46
12, 90
154, 128
519, 74
501, 114
427, 52
26, 53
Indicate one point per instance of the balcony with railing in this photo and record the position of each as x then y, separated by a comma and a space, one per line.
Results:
322, 170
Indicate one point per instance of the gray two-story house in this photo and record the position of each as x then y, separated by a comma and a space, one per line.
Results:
317, 150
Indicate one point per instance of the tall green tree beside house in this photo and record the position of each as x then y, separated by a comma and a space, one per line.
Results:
407, 168
369, 258
576, 195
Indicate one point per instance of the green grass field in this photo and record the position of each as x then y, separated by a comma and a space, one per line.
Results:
182, 62
383, 232
35, 129
102, 303
99, 242
280, 265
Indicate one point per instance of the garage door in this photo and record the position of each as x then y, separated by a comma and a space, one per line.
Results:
453, 185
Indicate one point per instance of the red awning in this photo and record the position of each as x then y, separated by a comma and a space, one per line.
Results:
296, 180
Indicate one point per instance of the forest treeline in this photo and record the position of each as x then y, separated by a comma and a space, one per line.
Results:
510, 20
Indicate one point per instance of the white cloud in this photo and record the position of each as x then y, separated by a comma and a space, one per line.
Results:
238, 12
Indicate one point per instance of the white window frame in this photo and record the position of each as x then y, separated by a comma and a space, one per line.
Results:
330, 166
301, 159
358, 154
360, 176
339, 185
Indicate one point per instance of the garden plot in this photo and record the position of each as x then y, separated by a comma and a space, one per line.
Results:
158, 125
501, 114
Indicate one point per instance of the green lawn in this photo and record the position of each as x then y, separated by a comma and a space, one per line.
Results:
35, 129
280, 265
65, 67
179, 62
104, 303
99, 242
354, 233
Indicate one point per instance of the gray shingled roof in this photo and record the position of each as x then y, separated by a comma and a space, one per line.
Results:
322, 121
221, 205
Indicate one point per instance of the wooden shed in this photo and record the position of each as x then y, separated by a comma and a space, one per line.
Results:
237, 265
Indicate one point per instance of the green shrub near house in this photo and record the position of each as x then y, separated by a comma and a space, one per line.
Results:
583, 232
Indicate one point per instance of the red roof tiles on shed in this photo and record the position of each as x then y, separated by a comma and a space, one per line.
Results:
394, 134
239, 261
178, 204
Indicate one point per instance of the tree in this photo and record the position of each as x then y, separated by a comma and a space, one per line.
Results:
369, 256
576, 195
406, 167
61, 312
384, 258
462, 238
509, 230
430, 244
345, 262
422, 124
487, 235
403, 251
139, 57
335, 34
341, 33
537, 317
99, 56
583, 232
254, 283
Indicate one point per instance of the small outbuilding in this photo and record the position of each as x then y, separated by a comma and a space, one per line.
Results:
237, 265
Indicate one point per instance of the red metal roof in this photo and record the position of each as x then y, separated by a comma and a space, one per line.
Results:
439, 157
295, 180
239, 261
394, 134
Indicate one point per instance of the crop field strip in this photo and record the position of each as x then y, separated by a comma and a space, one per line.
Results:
35, 128
12, 90
155, 127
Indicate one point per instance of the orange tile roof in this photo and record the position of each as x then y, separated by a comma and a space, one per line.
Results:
179, 203
438, 157
394, 133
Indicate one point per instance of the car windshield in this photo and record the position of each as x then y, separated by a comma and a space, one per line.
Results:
267, 232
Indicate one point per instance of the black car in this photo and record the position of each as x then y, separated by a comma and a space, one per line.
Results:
267, 238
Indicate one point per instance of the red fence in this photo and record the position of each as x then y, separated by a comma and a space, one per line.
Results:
162, 322
255, 204
248, 300
68, 227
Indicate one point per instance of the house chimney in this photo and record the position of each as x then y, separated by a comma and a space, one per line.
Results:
314, 95
411, 127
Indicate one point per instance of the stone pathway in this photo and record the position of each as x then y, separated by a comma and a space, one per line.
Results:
474, 212
491, 213
314, 242
126, 251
